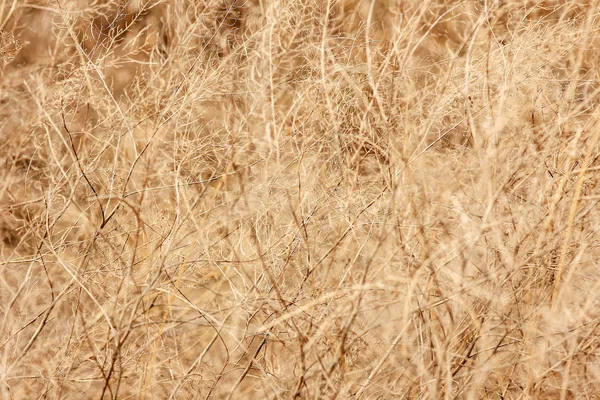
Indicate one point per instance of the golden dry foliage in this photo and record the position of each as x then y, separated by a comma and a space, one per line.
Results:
299, 199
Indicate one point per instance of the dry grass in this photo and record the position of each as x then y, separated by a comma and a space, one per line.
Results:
299, 199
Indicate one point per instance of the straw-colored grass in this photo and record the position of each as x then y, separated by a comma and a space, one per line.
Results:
299, 199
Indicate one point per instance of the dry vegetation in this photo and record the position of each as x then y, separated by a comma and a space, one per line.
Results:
299, 199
